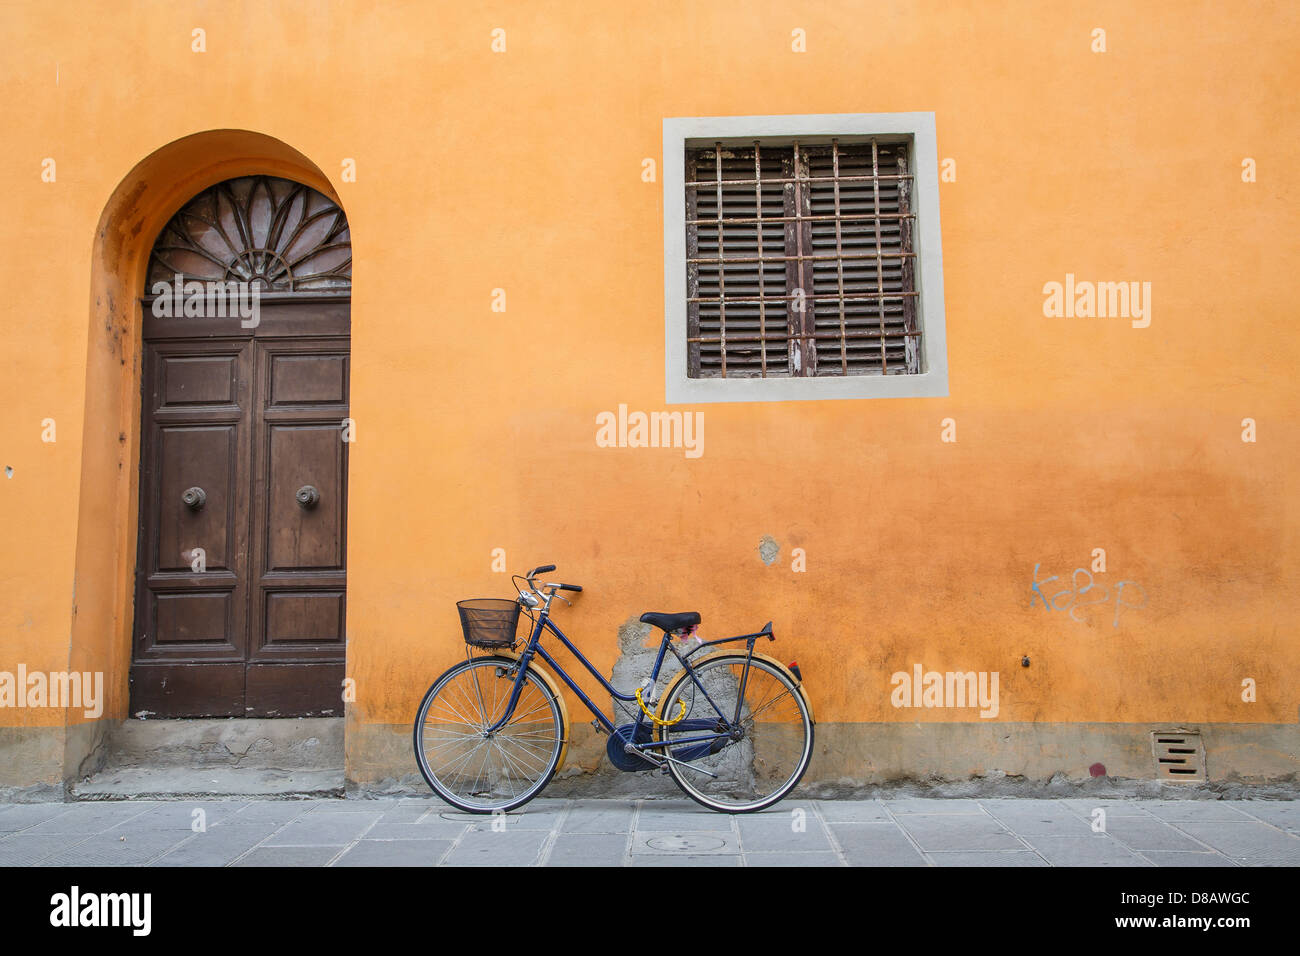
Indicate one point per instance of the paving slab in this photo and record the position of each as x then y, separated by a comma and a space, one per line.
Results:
905, 805
23, 816
285, 856
219, 846
935, 831
588, 849
182, 815
1180, 858
89, 818
395, 853
1154, 834
792, 859
22, 849
1285, 816
118, 849
853, 811
1046, 817
437, 830
986, 858
676, 815
1249, 842
783, 832
875, 844
508, 847
1200, 810
1095, 850
324, 829
272, 811
599, 816
652, 859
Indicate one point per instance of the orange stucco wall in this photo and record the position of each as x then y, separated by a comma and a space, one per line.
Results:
522, 171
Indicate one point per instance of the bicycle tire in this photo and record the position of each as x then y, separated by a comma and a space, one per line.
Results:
737, 776
462, 709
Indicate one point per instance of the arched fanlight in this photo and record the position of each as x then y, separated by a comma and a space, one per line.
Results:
281, 235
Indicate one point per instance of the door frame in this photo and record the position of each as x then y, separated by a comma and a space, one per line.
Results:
102, 581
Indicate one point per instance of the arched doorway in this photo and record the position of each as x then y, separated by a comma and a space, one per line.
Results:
240, 569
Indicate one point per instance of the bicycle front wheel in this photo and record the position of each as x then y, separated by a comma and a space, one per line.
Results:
478, 771
753, 762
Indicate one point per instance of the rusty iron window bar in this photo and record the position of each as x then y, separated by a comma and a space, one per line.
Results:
800, 261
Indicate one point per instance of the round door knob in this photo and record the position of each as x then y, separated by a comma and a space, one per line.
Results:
194, 498
307, 496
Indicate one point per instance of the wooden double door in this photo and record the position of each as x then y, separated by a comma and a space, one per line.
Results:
241, 576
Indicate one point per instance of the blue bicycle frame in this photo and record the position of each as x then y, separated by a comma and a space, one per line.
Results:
721, 721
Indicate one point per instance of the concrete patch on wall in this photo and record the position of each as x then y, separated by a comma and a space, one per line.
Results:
768, 549
31, 764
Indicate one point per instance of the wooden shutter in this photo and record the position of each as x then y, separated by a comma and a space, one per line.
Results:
737, 307
799, 261
861, 273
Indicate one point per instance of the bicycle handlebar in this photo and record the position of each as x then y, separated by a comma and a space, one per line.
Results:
544, 569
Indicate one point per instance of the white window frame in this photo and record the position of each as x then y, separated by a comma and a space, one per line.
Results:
683, 133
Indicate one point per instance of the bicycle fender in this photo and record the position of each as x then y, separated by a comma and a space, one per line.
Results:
554, 688
741, 655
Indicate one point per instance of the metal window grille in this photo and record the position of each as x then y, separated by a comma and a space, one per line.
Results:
799, 261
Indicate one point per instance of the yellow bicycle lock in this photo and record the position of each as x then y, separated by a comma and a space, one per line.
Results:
662, 723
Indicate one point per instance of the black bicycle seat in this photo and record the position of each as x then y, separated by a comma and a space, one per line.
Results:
671, 622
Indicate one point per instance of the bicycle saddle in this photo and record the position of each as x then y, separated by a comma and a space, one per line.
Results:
671, 622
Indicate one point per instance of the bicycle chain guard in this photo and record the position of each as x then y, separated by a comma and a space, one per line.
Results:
621, 736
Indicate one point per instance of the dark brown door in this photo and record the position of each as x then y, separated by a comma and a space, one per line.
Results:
242, 585
241, 572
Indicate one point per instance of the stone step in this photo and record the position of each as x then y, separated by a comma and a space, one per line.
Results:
284, 758
174, 783
306, 743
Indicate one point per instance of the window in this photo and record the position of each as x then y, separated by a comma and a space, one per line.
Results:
802, 258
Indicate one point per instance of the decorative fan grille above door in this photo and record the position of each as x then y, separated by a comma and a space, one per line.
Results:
281, 235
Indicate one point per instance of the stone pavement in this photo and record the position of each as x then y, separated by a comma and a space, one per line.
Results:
552, 832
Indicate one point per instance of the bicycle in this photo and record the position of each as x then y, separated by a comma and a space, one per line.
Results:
734, 729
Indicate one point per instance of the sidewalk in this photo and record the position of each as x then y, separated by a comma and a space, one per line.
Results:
550, 832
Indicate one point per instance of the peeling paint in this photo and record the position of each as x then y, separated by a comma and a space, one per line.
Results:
768, 549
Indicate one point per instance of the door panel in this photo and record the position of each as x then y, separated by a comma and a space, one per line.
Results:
198, 380
202, 457
307, 459
196, 617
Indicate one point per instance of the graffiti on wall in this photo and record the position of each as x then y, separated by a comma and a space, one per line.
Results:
1084, 595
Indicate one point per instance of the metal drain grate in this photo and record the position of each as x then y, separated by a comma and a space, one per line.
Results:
1179, 756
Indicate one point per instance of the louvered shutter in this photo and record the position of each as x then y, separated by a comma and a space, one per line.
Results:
799, 261
735, 267
860, 238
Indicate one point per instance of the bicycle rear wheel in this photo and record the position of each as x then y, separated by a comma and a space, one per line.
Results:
468, 768
770, 749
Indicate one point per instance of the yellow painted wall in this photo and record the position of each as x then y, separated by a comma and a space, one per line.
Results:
521, 170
